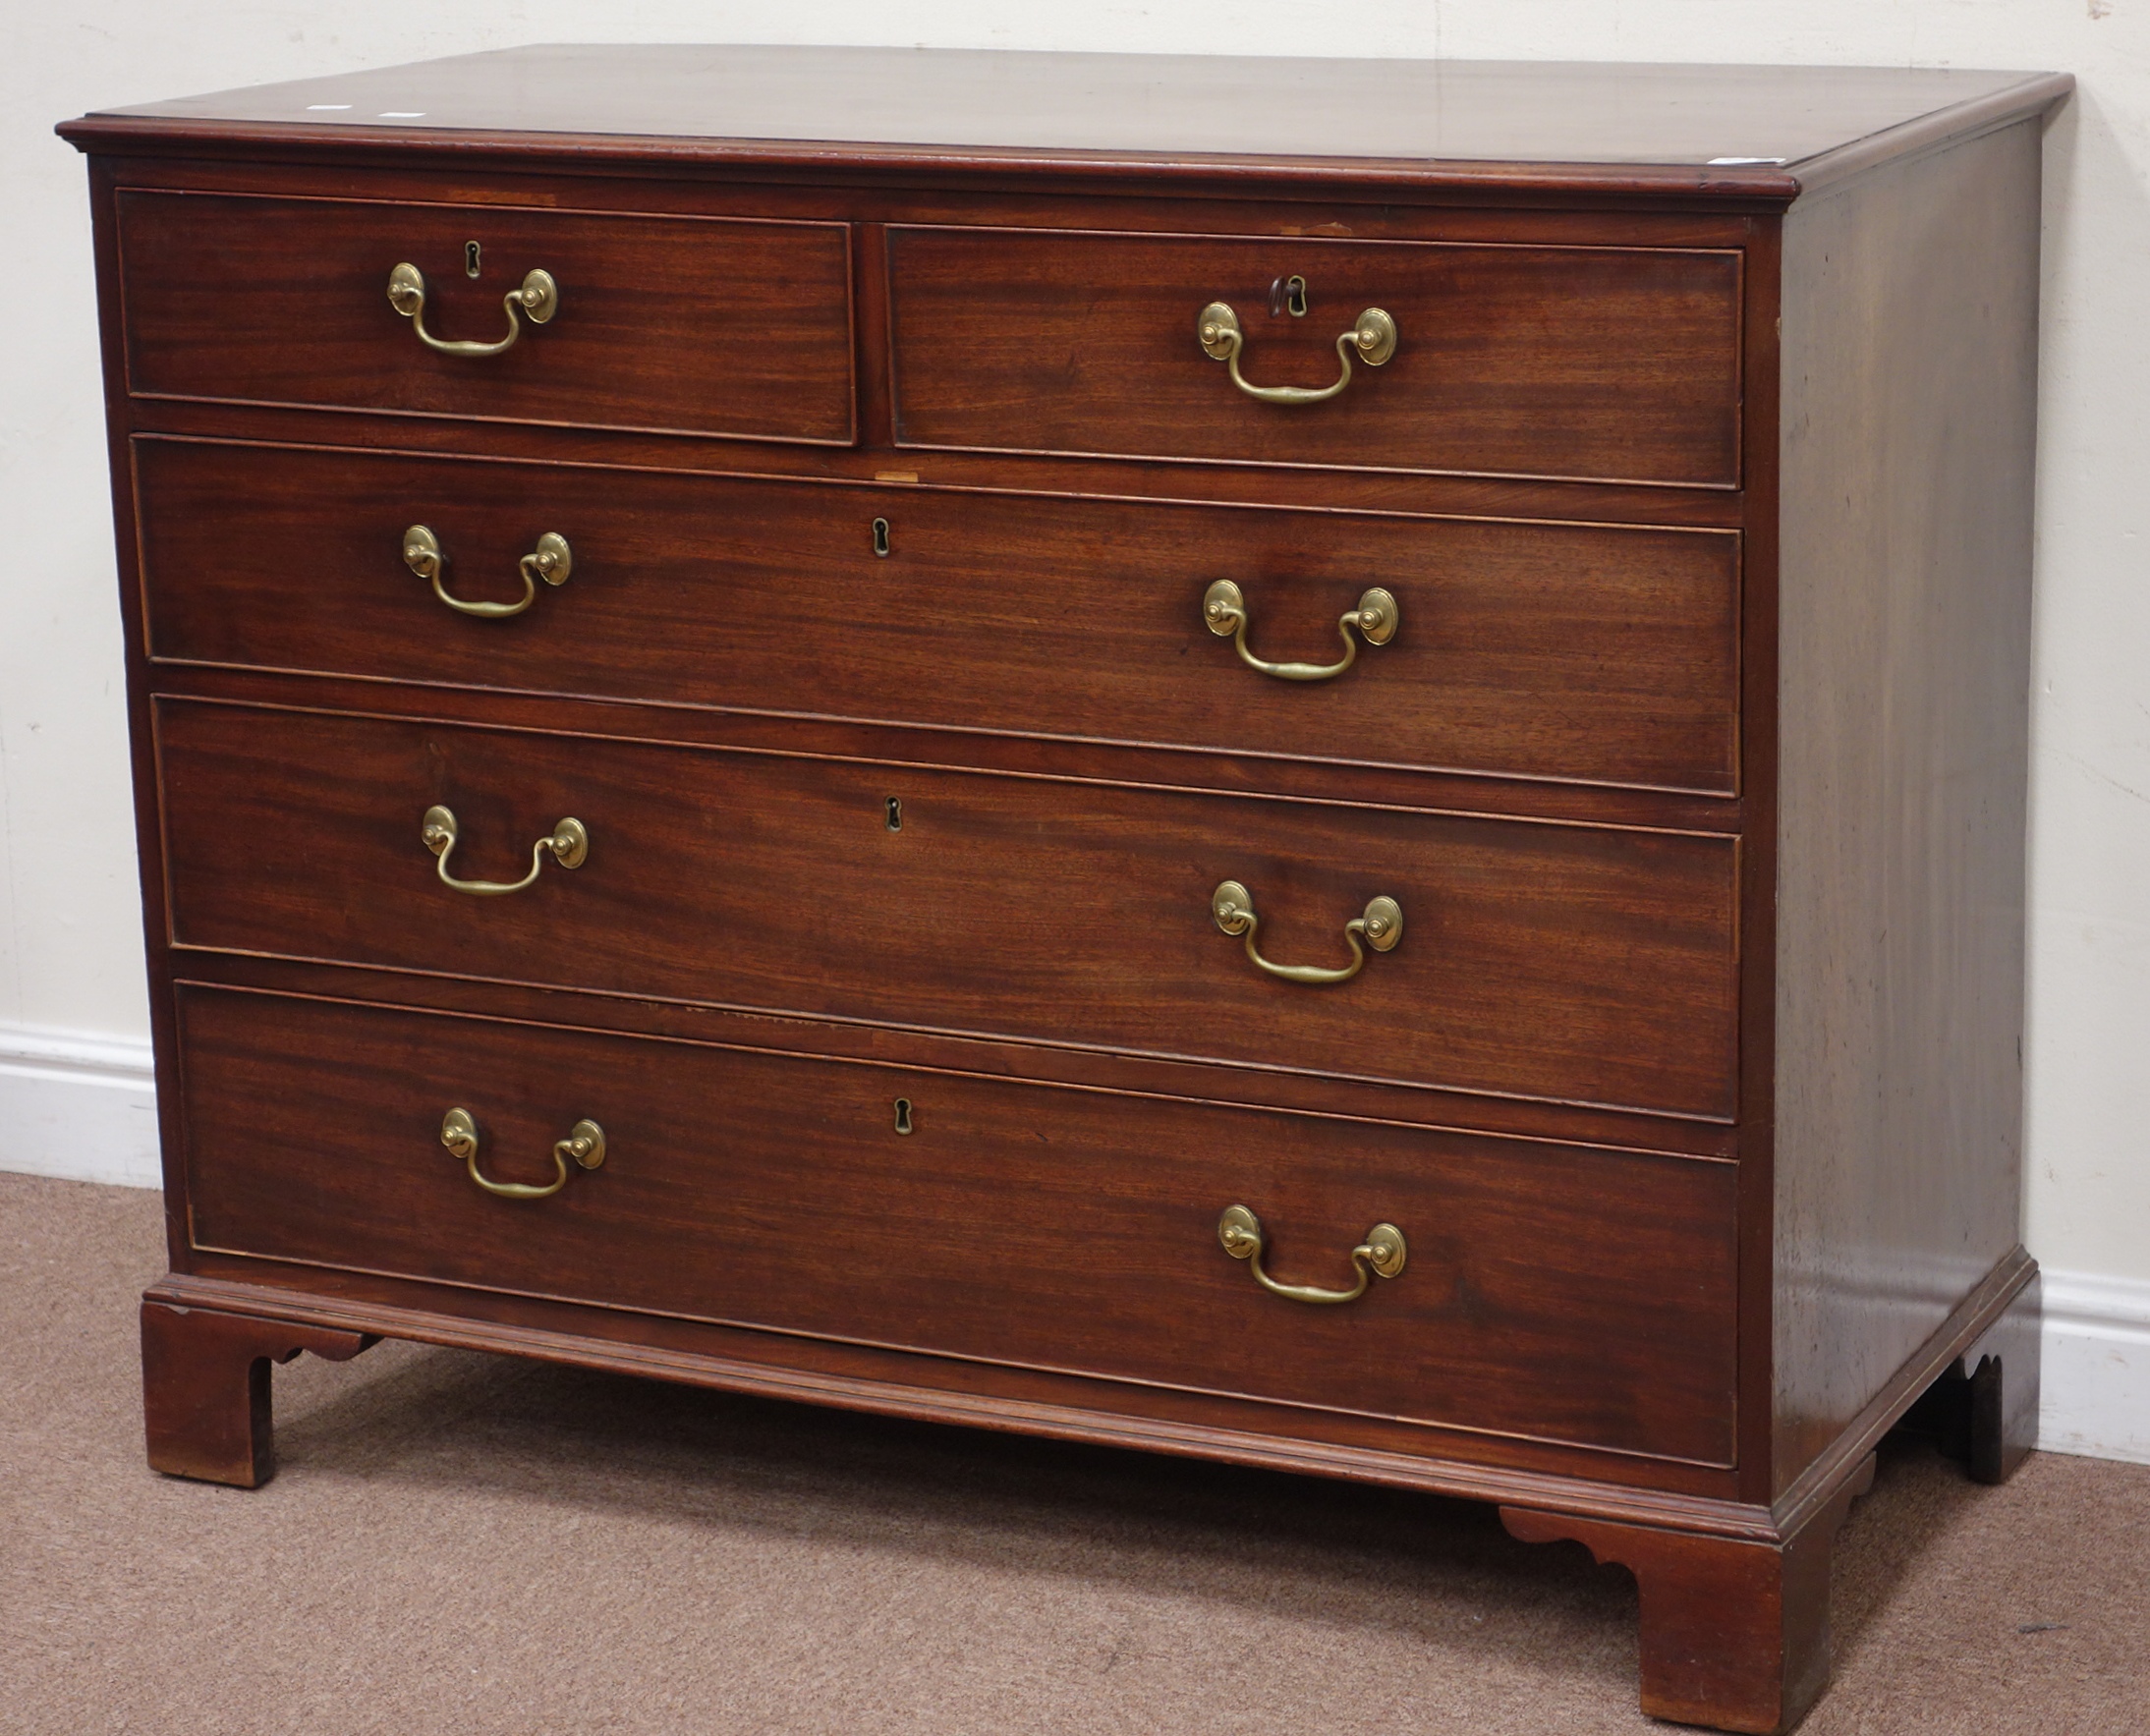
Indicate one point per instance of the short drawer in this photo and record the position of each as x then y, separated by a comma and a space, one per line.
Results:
1594, 653
1613, 364
676, 324
1575, 963
1559, 1293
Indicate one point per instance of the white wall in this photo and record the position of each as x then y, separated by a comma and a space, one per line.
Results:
70, 957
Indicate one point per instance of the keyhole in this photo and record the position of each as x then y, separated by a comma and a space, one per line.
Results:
895, 813
470, 259
881, 537
1288, 295
903, 1115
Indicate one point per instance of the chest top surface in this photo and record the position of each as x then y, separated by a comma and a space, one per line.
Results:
1762, 130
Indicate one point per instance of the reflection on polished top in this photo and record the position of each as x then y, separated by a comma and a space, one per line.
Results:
1692, 117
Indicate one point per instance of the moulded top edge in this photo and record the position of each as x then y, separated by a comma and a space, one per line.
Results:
1753, 132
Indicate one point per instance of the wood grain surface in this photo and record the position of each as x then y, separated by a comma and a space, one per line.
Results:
687, 325
1553, 1292
1691, 135
1697, 765
1577, 652
205, 1390
1735, 1634
1910, 334
1564, 962
1613, 364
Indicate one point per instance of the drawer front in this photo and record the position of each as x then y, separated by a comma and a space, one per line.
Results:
678, 324
1616, 364
1574, 963
1561, 1293
1587, 652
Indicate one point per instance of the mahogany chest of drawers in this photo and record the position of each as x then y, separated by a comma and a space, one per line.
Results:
1319, 764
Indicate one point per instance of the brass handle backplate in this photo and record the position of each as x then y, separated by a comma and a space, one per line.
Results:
1381, 925
551, 560
568, 844
537, 300
1224, 613
1380, 1256
1372, 339
584, 1144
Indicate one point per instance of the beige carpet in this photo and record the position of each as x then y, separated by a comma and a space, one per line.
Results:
460, 1544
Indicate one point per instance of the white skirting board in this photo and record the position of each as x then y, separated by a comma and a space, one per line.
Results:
86, 1108
2094, 1381
83, 1107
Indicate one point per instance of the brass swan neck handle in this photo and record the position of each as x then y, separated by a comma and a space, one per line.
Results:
1380, 1256
568, 844
1372, 339
551, 560
584, 1144
1231, 906
537, 300
1376, 617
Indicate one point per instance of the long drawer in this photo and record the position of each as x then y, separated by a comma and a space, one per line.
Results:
1564, 962
678, 324
1618, 363
1597, 653
1555, 1292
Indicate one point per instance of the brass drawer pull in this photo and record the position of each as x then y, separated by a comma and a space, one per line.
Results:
584, 1143
568, 844
551, 560
1224, 613
1372, 339
1380, 1256
1233, 905
538, 298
